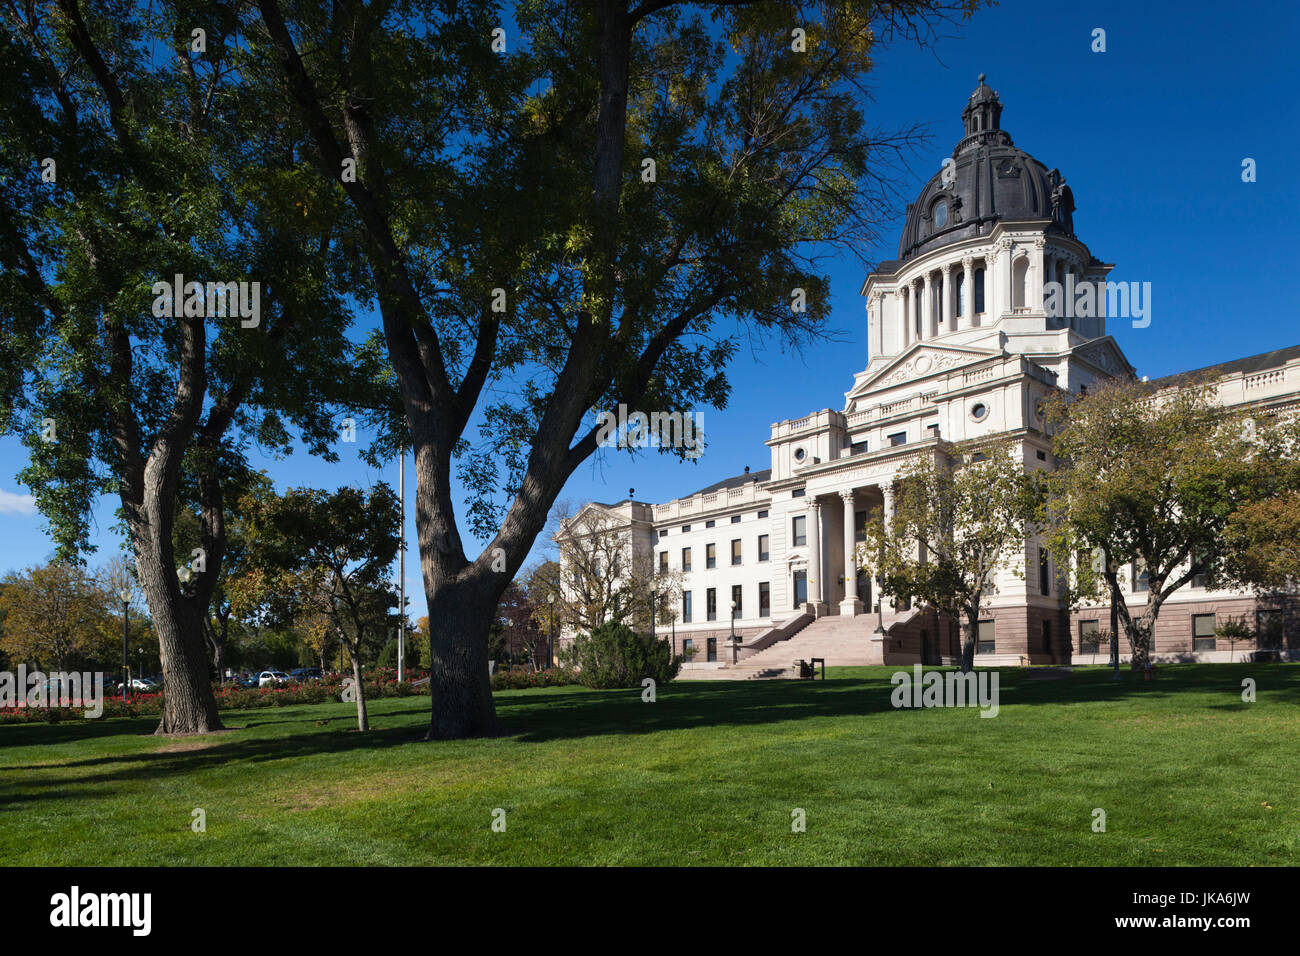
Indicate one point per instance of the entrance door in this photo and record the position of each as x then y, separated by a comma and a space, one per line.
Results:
800, 588
864, 589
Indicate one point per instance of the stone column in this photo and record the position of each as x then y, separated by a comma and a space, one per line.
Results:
927, 308
906, 299
851, 604
1036, 266
968, 290
816, 593
1001, 274
946, 310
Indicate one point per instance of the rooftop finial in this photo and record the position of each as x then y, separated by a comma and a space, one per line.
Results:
981, 78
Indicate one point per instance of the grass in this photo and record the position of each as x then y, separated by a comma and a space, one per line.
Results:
1186, 771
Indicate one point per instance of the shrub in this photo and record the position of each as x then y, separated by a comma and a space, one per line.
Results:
613, 655
522, 679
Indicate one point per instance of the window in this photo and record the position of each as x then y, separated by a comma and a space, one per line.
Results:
736, 592
986, 642
711, 604
940, 214
979, 290
858, 448
1042, 455
663, 562
762, 515
1140, 582
1268, 629
762, 547
711, 645
685, 528
859, 526
688, 648
933, 430
898, 438
735, 519
979, 411
735, 552
1203, 576
686, 607
709, 524
1088, 636
800, 454
797, 493
663, 534
961, 293
764, 599
686, 559
799, 530
710, 555
1203, 632
1044, 576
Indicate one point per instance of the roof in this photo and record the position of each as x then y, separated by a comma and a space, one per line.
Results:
1246, 366
733, 482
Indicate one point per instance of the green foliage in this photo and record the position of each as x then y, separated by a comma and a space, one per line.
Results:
613, 655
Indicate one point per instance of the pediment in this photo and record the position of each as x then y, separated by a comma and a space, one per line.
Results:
1105, 355
919, 361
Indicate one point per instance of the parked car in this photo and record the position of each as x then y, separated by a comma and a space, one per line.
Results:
144, 684
305, 673
246, 680
272, 678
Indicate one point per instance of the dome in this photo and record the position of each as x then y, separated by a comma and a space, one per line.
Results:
986, 181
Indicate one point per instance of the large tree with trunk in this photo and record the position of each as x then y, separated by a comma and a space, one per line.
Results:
1150, 479
583, 205
133, 150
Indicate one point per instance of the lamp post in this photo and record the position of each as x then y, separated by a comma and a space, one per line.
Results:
550, 643
125, 595
733, 632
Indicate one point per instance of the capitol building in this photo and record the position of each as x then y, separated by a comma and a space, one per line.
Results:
965, 342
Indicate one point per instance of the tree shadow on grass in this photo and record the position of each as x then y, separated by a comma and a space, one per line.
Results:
577, 713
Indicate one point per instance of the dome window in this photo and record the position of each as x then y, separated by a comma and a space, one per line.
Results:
940, 214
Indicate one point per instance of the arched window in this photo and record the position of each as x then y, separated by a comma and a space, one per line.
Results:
979, 290
961, 293
1020, 283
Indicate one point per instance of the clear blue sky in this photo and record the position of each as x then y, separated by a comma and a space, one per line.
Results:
1150, 135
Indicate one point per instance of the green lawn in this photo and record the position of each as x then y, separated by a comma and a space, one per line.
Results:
709, 774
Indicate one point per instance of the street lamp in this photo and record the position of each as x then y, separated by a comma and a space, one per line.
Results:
733, 632
550, 644
125, 595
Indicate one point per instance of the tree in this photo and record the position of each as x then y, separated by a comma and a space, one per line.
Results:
327, 556
960, 516
603, 578
1232, 630
1150, 479
126, 161
542, 584
645, 180
52, 613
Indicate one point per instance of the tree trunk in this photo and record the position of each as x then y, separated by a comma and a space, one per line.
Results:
363, 719
459, 685
970, 629
189, 705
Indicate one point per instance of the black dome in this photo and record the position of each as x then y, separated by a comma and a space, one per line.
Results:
987, 180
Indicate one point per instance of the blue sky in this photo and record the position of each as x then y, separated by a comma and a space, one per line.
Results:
1150, 134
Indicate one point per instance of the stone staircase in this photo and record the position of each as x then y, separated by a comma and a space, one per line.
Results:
841, 641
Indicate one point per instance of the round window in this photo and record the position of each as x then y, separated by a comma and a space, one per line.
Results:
799, 454
979, 411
